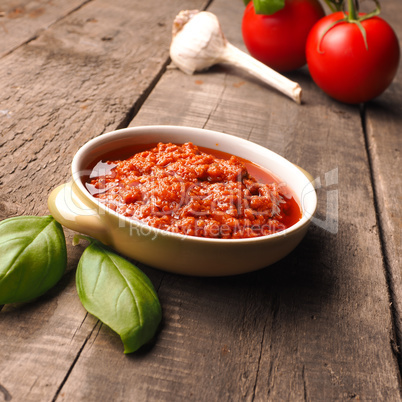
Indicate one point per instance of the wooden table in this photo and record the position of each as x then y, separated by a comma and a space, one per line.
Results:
322, 324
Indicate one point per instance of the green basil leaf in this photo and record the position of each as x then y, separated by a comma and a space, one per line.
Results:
268, 7
33, 257
119, 294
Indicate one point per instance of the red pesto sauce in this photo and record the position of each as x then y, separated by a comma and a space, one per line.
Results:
195, 191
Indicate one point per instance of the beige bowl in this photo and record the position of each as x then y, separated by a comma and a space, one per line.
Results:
73, 206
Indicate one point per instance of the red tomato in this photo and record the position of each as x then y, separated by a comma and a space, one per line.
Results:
279, 40
340, 64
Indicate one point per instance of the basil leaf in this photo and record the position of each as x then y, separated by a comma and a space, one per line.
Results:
33, 257
268, 7
119, 294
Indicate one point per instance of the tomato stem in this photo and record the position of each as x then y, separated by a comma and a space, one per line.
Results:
352, 13
354, 18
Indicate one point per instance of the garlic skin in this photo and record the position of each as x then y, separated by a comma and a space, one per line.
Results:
199, 43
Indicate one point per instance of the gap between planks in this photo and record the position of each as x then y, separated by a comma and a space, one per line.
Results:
144, 96
98, 324
123, 124
396, 336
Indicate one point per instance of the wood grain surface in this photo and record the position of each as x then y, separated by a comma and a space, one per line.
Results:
79, 78
322, 324
383, 122
23, 21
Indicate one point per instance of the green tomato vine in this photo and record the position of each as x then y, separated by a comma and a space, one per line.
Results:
269, 7
353, 17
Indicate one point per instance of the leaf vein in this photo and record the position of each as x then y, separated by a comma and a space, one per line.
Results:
21, 253
128, 286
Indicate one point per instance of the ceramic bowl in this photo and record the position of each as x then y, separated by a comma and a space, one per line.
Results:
73, 206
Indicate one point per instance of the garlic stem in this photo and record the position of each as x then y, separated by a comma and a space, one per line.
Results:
199, 43
238, 58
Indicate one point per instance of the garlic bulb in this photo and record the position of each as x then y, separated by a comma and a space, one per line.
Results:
199, 43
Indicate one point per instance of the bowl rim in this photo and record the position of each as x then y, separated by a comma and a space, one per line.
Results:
127, 132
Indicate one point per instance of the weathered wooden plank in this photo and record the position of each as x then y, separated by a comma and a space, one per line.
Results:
77, 79
383, 125
315, 326
22, 21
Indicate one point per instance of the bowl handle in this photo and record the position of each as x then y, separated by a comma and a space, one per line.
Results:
69, 210
307, 174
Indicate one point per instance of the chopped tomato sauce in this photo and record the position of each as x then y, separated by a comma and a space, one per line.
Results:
192, 191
